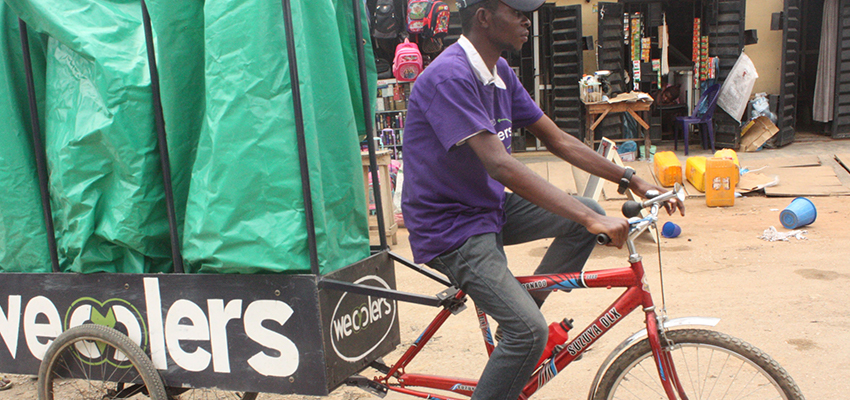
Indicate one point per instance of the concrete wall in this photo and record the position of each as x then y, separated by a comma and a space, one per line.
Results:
766, 55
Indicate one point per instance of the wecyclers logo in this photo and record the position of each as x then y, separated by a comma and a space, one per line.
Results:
114, 313
360, 323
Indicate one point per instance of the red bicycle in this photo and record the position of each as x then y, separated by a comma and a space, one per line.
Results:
663, 361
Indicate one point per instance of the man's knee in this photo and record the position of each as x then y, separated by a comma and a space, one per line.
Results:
538, 334
532, 335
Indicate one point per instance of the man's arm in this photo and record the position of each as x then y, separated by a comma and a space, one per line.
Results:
580, 155
502, 167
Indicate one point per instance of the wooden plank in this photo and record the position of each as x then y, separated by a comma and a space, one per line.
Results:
796, 190
599, 119
844, 160
580, 179
782, 162
691, 190
609, 191
806, 181
593, 186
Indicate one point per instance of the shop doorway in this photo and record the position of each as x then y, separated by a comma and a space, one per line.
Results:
811, 22
800, 96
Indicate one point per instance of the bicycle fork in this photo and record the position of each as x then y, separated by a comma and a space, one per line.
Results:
663, 359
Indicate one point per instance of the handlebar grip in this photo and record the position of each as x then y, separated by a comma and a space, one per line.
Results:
631, 209
602, 239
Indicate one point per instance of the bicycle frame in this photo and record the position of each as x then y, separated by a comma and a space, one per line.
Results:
636, 295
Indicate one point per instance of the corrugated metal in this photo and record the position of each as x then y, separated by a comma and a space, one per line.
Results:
610, 57
724, 20
841, 121
787, 107
566, 63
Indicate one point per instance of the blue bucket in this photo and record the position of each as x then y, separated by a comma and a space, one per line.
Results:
800, 212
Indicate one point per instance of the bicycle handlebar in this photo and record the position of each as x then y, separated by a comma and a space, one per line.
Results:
631, 209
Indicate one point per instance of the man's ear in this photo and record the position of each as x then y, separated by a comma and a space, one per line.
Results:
483, 17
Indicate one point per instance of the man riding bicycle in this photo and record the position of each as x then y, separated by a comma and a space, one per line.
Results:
461, 113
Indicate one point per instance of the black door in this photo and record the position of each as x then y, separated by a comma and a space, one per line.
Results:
724, 24
610, 58
563, 29
841, 120
791, 46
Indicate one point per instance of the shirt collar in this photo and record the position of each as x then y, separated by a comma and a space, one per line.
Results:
486, 76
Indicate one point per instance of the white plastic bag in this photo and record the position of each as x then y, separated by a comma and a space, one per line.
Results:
736, 89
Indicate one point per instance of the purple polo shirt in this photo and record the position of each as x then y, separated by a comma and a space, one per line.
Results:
448, 196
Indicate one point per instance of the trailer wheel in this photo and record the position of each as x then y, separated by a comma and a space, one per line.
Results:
97, 362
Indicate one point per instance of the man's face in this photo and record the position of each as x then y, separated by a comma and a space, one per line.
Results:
510, 28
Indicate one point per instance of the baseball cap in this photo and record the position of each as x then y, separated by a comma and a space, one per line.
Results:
520, 5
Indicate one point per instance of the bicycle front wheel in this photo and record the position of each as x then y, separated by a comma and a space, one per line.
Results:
710, 365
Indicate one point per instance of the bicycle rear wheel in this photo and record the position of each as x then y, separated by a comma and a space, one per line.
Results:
710, 365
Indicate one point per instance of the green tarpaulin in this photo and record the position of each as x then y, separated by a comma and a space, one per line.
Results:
228, 111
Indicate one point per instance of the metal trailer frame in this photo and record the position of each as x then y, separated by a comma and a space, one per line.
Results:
273, 333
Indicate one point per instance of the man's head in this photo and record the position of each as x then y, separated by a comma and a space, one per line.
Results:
502, 22
519, 5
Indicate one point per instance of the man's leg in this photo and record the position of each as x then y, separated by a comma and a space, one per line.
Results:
569, 250
479, 268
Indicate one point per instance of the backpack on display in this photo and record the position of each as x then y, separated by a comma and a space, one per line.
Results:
407, 63
386, 21
429, 18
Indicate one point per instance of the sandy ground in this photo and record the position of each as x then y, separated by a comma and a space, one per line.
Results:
783, 297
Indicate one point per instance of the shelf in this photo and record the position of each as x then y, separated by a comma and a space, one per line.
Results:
389, 111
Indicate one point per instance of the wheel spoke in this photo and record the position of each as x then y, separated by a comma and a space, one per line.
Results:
97, 363
709, 365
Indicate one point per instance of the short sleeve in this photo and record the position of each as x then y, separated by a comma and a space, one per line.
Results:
457, 112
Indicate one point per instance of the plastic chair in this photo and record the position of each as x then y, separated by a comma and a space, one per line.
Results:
701, 116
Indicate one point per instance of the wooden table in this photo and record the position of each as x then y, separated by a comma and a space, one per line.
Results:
592, 110
383, 164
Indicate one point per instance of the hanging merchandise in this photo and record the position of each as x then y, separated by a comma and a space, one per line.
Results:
636, 37
636, 74
636, 42
665, 44
703, 59
407, 63
656, 67
697, 34
645, 44
695, 51
714, 63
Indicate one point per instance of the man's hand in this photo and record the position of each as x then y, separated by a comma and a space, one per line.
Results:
641, 187
616, 228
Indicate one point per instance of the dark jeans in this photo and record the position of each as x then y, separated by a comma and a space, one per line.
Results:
479, 268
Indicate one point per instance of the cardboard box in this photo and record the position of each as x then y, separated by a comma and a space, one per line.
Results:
756, 132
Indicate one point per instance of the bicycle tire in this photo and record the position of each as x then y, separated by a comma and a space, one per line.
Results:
214, 394
702, 360
65, 360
